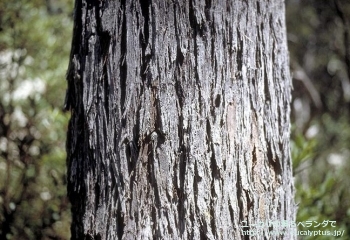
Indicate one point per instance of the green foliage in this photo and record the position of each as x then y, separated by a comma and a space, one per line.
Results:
35, 38
316, 31
322, 189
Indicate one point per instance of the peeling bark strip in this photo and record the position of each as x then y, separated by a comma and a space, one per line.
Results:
180, 119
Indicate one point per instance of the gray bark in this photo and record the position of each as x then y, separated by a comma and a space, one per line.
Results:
180, 119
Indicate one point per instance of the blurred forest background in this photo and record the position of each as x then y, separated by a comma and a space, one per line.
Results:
35, 39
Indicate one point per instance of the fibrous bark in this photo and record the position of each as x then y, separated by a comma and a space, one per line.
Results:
180, 119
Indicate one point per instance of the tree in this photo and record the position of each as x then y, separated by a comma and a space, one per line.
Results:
180, 120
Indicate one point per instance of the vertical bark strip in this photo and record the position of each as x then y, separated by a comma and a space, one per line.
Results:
180, 119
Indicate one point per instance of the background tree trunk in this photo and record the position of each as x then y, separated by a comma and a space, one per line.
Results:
180, 119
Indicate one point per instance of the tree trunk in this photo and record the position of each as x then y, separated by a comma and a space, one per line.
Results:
180, 120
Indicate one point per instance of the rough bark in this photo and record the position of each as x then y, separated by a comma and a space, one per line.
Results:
180, 119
